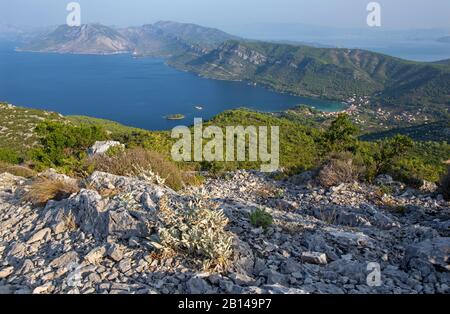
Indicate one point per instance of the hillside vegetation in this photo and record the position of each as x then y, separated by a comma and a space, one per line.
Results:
330, 73
61, 142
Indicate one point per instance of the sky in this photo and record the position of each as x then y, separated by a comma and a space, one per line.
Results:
396, 14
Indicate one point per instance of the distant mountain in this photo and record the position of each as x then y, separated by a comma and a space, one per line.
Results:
447, 61
193, 34
333, 73
85, 39
445, 39
160, 39
150, 41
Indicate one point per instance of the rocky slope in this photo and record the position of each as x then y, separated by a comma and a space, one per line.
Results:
107, 238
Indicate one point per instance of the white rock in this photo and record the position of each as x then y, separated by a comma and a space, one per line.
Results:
101, 147
95, 255
5, 272
314, 258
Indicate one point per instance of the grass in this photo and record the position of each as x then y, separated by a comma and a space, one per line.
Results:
20, 171
139, 162
44, 189
260, 218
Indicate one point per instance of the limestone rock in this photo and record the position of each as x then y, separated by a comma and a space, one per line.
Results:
314, 258
101, 147
40, 235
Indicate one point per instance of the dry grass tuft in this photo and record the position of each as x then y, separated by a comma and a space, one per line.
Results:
141, 163
19, 171
44, 189
340, 168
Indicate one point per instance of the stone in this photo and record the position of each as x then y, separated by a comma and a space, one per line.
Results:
95, 255
427, 254
314, 258
101, 147
274, 277
125, 265
125, 226
197, 285
40, 235
279, 289
242, 279
65, 260
5, 272
147, 202
45, 288
244, 260
289, 266
115, 252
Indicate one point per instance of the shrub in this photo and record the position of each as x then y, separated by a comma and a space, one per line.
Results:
45, 189
16, 170
340, 168
197, 233
341, 135
140, 163
445, 186
389, 150
10, 156
63, 145
261, 218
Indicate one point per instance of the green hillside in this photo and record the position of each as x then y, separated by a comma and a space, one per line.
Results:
327, 73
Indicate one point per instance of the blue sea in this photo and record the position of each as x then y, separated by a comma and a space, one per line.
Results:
138, 92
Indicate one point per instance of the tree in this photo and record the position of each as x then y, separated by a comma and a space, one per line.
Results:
341, 135
390, 149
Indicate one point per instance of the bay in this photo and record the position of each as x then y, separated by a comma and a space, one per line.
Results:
139, 92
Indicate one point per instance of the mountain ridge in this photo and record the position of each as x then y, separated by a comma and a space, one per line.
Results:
162, 39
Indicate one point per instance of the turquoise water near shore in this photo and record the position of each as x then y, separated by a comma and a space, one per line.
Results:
138, 92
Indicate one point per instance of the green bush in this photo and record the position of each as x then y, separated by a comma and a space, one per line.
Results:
64, 146
341, 135
10, 156
261, 218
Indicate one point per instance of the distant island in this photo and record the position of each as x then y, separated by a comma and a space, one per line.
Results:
177, 116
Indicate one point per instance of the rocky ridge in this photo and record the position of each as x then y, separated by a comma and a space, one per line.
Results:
106, 238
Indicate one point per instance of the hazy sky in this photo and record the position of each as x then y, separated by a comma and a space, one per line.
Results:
219, 13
